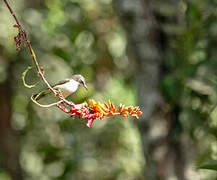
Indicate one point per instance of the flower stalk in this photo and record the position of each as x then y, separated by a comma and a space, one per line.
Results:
93, 110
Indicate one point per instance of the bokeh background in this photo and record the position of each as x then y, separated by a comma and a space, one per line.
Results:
160, 55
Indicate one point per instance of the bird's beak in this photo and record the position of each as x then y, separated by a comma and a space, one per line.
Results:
85, 86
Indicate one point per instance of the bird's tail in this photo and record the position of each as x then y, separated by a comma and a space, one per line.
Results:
41, 94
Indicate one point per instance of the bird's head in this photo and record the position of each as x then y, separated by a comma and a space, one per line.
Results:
80, 79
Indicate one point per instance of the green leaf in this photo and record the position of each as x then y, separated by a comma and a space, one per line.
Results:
212, 164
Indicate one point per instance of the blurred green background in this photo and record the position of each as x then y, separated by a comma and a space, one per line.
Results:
160, 55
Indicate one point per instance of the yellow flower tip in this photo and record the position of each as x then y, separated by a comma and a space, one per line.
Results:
109, 101
92, 102
135, 115
101, 106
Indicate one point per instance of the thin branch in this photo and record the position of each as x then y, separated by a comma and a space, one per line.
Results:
12, 13
27, 41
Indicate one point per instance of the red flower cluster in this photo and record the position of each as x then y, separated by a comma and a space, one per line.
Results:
95, 110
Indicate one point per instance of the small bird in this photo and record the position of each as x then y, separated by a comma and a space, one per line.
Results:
66, 86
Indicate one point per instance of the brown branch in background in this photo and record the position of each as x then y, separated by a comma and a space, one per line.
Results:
22, 33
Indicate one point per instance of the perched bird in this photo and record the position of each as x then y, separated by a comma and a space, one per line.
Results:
66, 86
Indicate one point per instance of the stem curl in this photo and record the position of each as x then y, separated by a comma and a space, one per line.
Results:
44, 105
24, 76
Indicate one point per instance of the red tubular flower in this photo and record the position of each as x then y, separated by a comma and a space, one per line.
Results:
95, 110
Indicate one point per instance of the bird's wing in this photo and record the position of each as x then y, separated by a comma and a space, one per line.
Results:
61, 82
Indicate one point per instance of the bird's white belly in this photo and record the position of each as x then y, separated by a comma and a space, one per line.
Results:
68, 88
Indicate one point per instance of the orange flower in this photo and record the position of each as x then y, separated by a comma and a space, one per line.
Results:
95, 110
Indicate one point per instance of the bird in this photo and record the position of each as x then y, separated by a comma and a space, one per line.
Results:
66, 86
